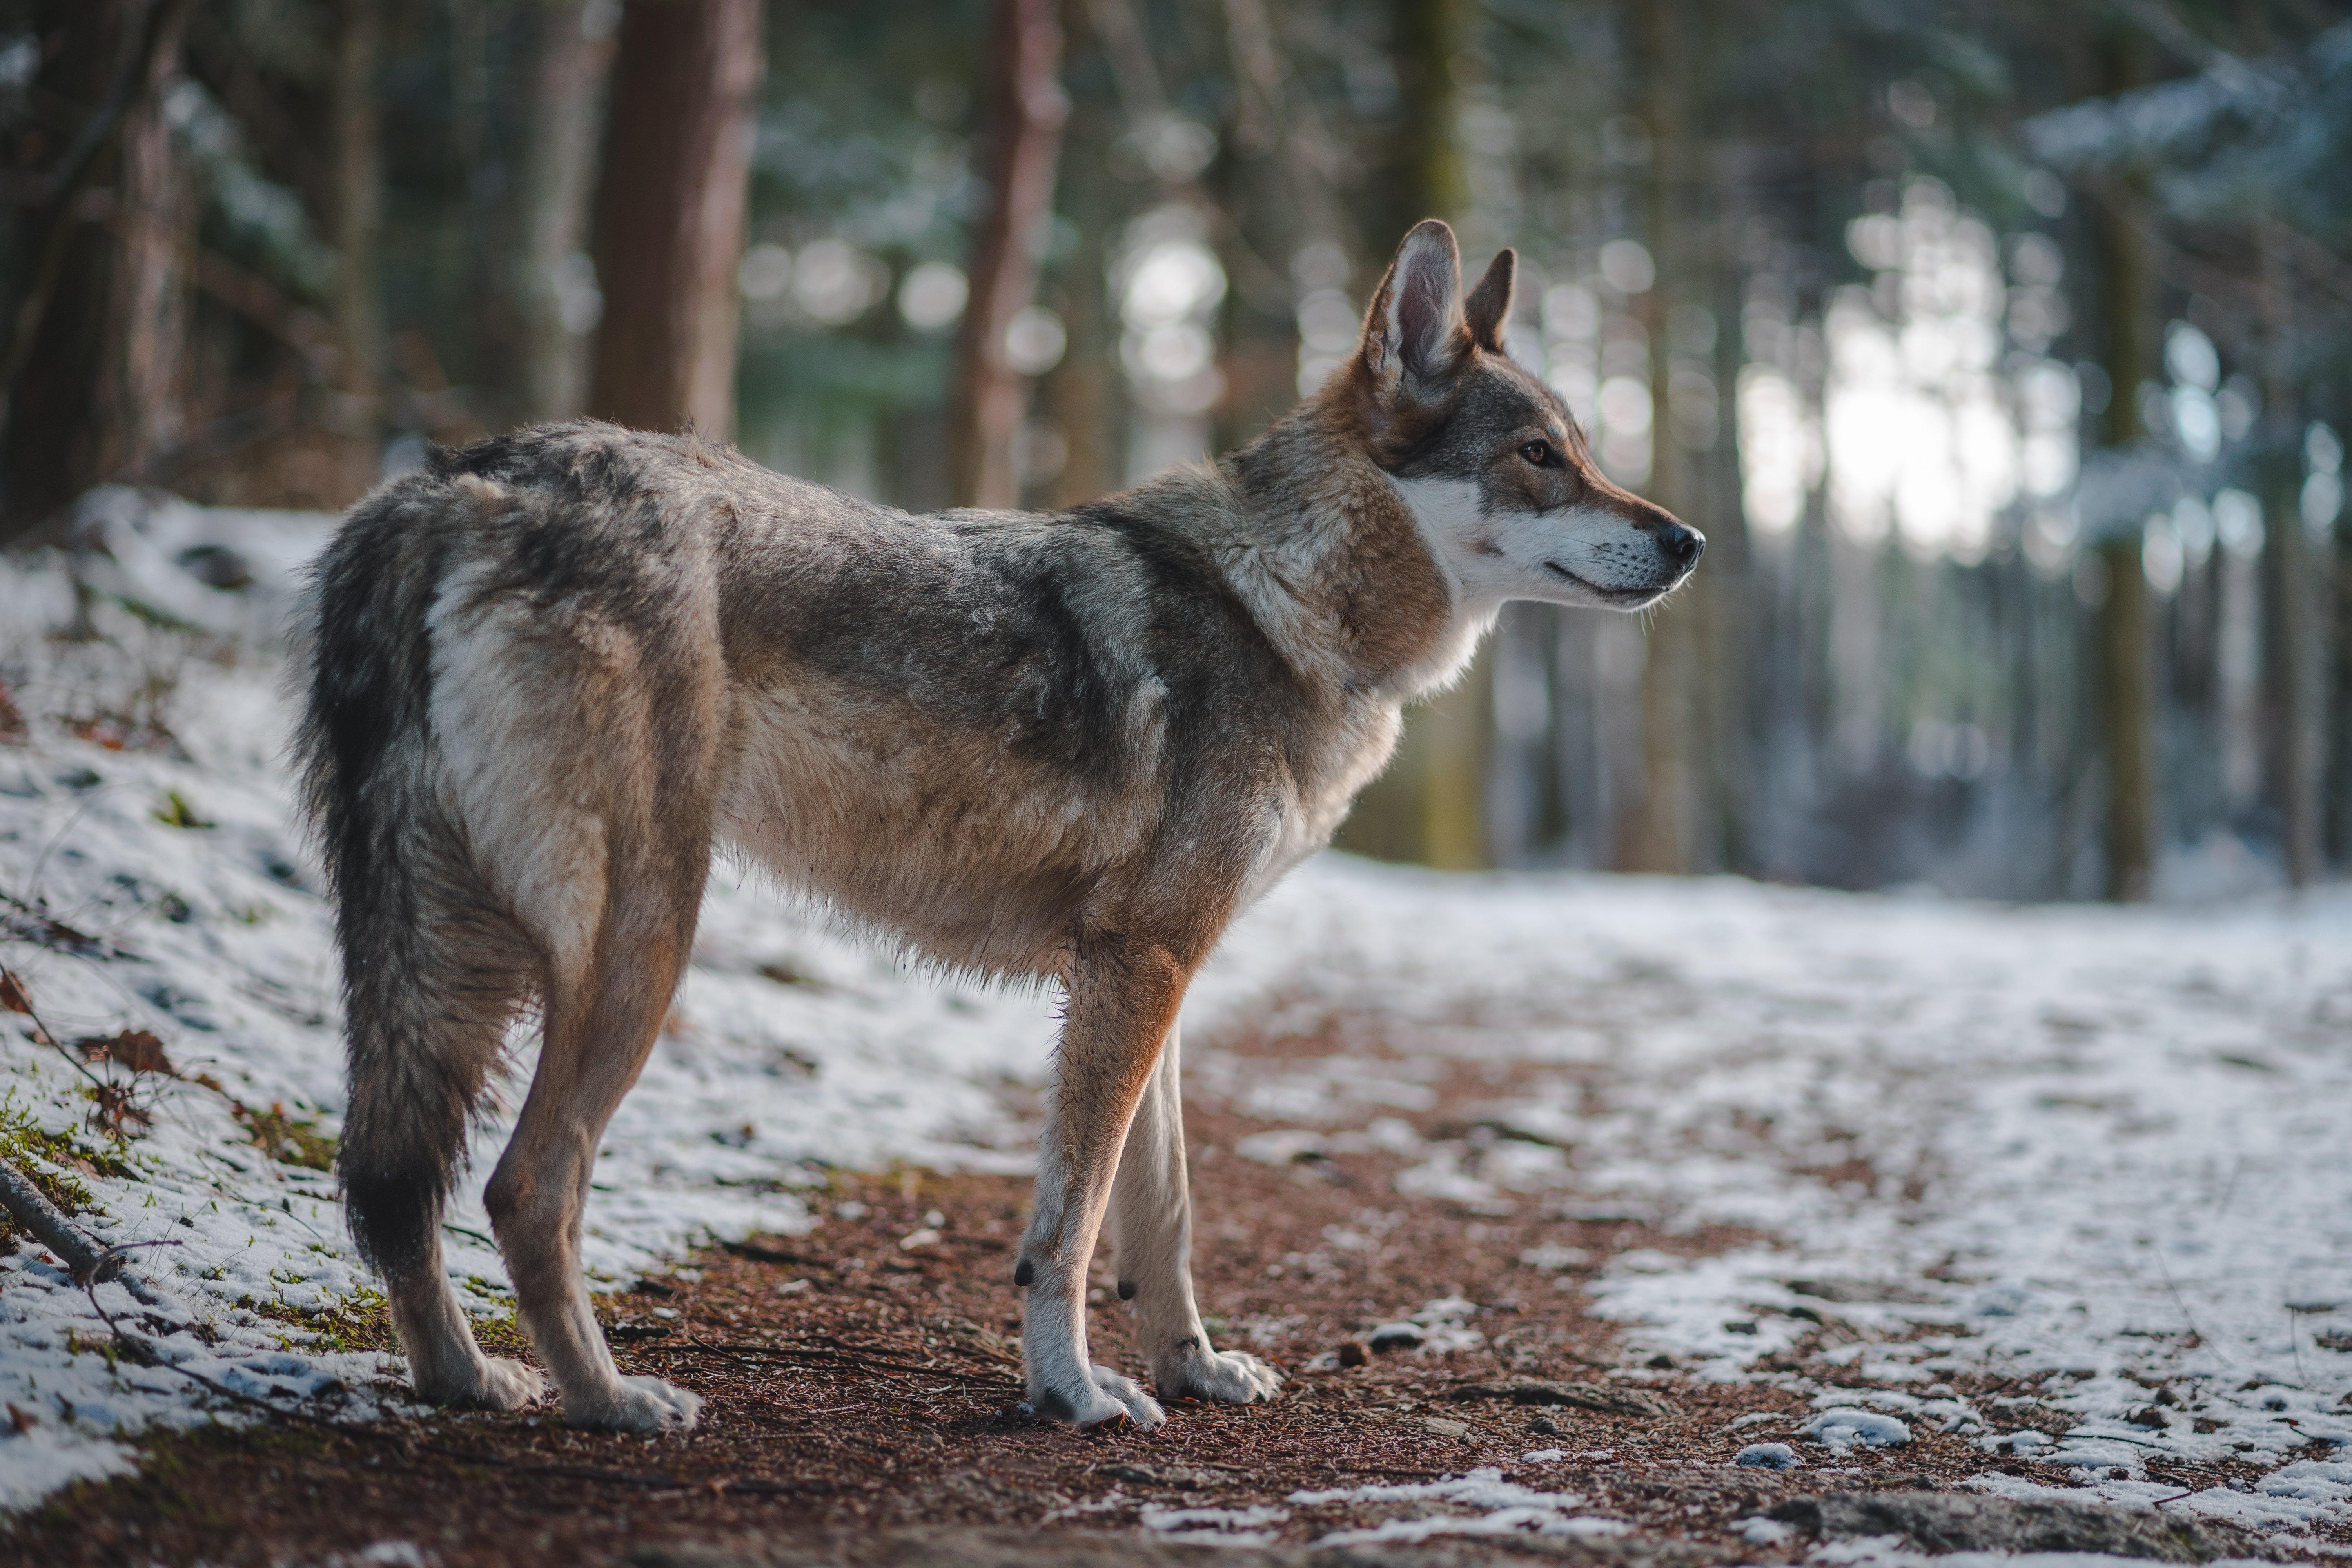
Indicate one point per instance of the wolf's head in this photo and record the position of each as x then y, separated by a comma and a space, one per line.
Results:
1488, 459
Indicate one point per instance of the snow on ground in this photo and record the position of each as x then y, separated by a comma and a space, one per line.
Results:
2096, 1152
2099, 1152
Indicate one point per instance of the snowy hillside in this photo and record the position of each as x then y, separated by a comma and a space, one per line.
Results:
155, 882
2101, 1150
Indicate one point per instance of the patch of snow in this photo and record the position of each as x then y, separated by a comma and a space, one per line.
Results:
1440, 1176
1511, 1510
1843, 1426
1552, 1255
1283, 1146
1214, 1526
1758, 1530
1444, 1326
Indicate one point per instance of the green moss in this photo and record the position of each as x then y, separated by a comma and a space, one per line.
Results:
290, 1140
175, 812
359, 1322
502, 1334
34, 1152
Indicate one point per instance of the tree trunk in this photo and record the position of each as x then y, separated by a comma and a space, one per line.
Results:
2297, 701
2335, 573
359, 225
1733, 620
1084, 391
2125, 672
1028, 107
557, 180
2297, 698
2127, 678
1423, 175
1661, 833
671, 212
1428, 806
143, 391
62, 313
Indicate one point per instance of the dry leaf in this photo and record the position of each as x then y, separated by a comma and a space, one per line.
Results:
138, 1049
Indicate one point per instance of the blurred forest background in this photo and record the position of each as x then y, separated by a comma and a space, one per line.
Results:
2000, 348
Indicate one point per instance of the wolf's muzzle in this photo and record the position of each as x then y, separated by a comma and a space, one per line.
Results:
1682, 544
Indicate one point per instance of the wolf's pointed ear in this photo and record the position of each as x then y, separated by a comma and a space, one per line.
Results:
1488, 311
1413, 334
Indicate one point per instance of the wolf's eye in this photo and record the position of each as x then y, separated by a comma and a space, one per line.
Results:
1536, 452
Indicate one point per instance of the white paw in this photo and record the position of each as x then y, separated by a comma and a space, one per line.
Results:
1233, 1377
490, 1382
635, 1405
1102, 1396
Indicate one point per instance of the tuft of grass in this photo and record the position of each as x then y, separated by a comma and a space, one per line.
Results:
175, 812
44, 1158
287, 1138
500, 1334
132, 714
359, 1322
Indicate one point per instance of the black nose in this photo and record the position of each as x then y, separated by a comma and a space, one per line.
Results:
1682, 544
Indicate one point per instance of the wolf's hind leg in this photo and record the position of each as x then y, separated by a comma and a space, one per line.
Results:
423, 1035
443, 1362
1151, 1227
599, 1033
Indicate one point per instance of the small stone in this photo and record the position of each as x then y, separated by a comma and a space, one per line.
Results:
1355, 1353
1438, 1427
1545, 1425
1395, 1337
1768, 1457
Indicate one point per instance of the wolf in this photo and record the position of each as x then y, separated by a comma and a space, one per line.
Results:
546, 676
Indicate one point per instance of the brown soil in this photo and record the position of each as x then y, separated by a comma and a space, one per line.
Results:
857, 1389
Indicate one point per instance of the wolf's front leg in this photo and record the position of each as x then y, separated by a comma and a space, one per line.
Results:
1123, 999
1151, 1224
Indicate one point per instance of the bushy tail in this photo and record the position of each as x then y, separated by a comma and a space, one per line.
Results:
423, 1014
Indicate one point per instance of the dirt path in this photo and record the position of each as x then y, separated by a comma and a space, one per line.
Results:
862, 1404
